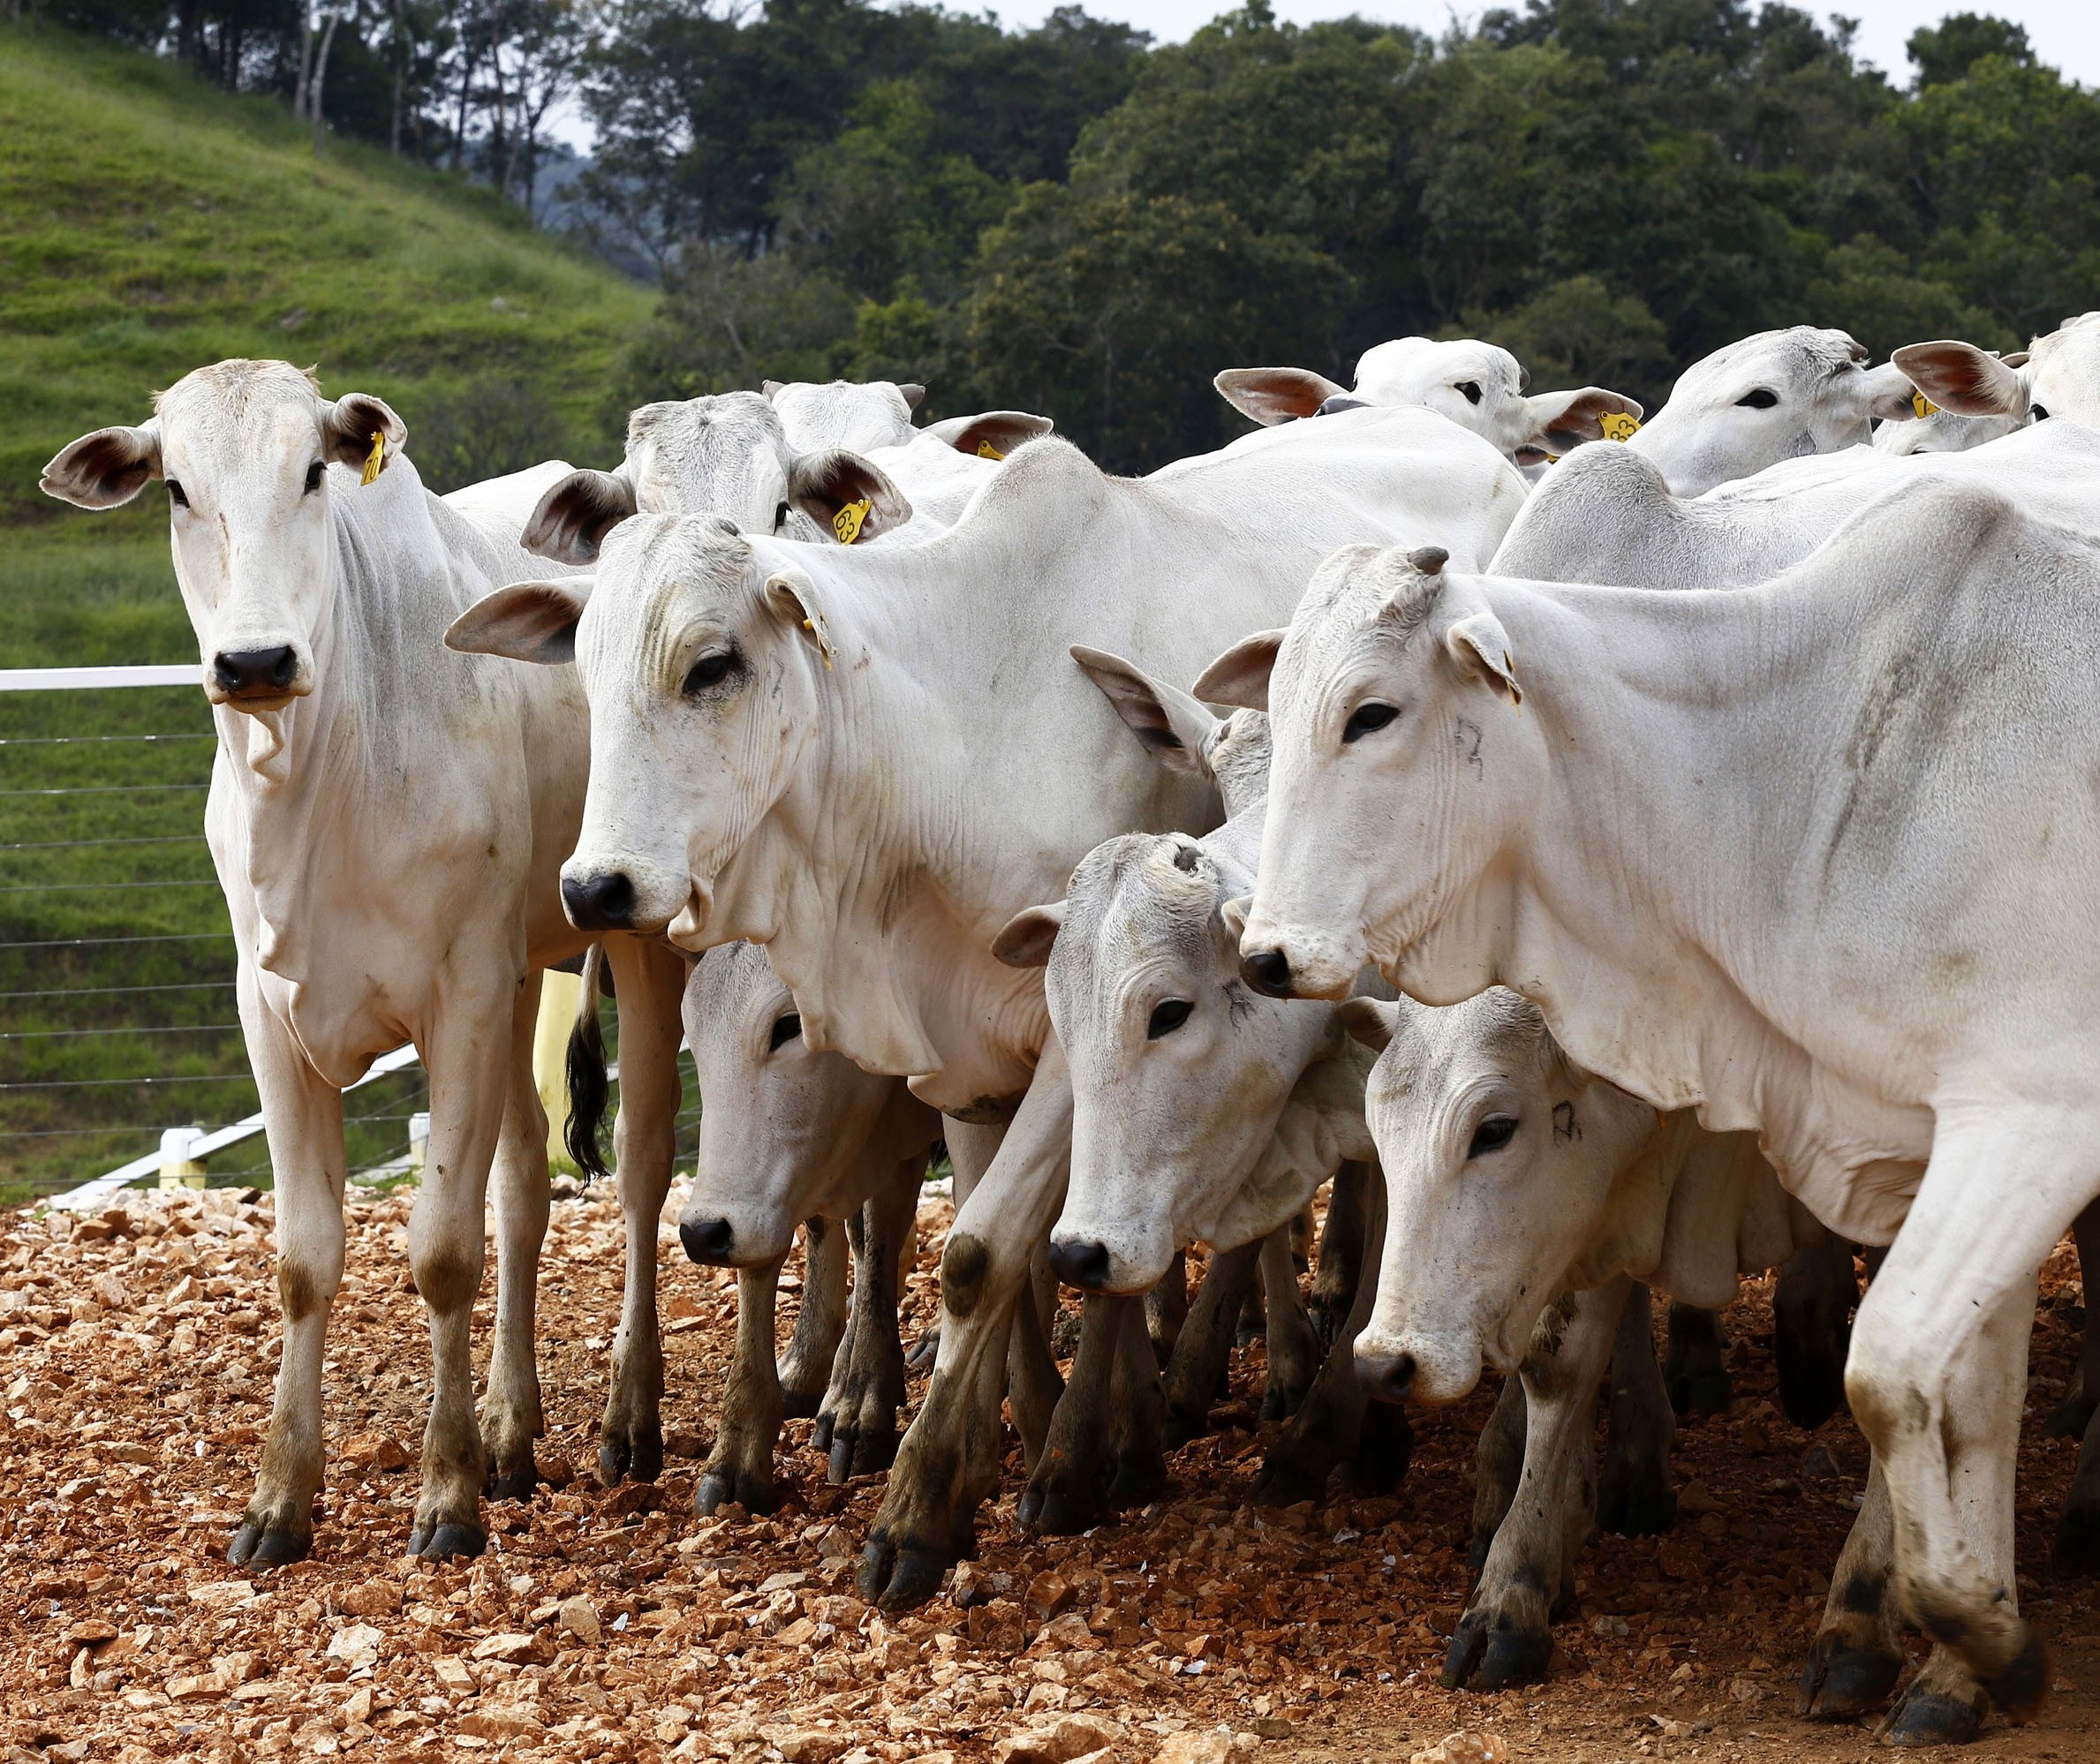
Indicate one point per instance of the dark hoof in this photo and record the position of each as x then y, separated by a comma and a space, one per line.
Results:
1706, 1392
516, 1483
861, 1454
2020, 1688
1384, 1449
637, 1453
264, 1546
718, 1487
1927, 1718
899, 1579
1484, 1541
1841, 1683
801, 1405
1139, 1480
1469, 1645
924, 1352
2070, 1418
1287, 1478
1179, 1427
1276, 1404
449, 1539
1811, 1388
1327, 1319
2077, 1539
1514, 1657
1056, 1511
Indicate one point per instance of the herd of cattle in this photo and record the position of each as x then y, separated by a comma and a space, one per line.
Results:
1715, 917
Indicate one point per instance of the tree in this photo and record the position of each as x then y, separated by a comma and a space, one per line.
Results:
1944, 53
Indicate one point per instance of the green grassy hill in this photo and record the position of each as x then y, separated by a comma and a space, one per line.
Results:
149, 224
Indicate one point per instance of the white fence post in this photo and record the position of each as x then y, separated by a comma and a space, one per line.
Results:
180, 1165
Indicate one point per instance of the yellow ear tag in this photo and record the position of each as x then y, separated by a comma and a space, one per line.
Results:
1921, 405
848, 521
985, 450
376, 458
823, 642
1619, 425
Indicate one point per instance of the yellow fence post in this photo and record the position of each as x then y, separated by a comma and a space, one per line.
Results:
559, 994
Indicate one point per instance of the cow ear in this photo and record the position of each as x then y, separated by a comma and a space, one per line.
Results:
1025, 940
106, 469
527, 622
1562, 421
575, 514
1276, 394
1370, 1020
1963, 378
1241, 675
793, 599
990, 435
774, 388
1233, 917
1174, 728
362, 430
914, 393
1890, 397
831, 487
1480, 646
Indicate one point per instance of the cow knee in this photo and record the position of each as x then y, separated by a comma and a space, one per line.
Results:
447, 1278
964, 1264
304, 1289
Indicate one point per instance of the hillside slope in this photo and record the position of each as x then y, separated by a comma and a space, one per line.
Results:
148, 224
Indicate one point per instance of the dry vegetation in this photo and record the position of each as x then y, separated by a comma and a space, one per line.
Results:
139, 1349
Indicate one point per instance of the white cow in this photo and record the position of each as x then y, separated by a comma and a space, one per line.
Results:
366, 788
1813, 857
1477, 385
1936, 430
868, 759
1778, 394
2057, 376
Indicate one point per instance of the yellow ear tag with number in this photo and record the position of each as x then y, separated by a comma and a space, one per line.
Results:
376, 458
848, 521
1619, 425
1921, 405
985, 450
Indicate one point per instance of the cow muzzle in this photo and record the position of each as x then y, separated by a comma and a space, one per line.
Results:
1297, 965
1407, 1366
262, 679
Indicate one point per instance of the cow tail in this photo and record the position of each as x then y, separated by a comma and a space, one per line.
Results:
590, 1088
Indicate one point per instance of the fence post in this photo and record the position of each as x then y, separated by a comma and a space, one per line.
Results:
178, 1168
559, 993
418, 1140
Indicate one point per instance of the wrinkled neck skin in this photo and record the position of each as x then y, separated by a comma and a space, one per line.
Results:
1618, 912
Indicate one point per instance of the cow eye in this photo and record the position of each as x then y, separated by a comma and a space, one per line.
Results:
177, 494
1759, 400
1472, 389
1492, 1135
315, 472
2040, 413
784, 1030
780, 518
711, 670
1366, 717
1167, 1017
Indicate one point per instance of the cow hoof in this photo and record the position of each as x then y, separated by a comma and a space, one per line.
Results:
1928, 1718
1840, 1682
514, 1483
898, 1579
1054, 1510
863, 1452
924, 1352
720, 1485
2077, 1540
1811, 1390
1705, 1391
2020, 1689
800, 1405
2070, 1418
1289, 1476
1468, 1643
1635, 1501
1384, 1449
267, 1545
1179, 1428
449, 1538
635, 1452
1514, 1657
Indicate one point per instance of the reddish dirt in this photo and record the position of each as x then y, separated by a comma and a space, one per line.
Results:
138, 1351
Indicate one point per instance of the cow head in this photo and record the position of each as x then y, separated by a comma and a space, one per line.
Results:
1404, 764
244, 448
1778, 394
861, 416
2058, 376
703, 667
781, 1124
1477, 385
725, 455
1504, 1164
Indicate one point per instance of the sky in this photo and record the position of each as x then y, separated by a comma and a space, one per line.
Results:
2065, 33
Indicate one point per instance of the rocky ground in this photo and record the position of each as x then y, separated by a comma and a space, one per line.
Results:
137, 1350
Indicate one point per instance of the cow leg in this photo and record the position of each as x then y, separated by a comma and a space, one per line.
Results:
1034, 1386
1694, 1370
1294, 1350
1338, 1421
1936, 1377
2073, 1418
1166, 1308
1197, 1366
467, 1058
303, 1118
868, 1390
823, 1326
1635, 1497
1497, 1466
1811, 1313
650, 985
949, 1459
1069, 1483
1253, 1322
1857, 1655
740, 1467
1342, 1249
510, 1415
1504, 1638
2078, 1528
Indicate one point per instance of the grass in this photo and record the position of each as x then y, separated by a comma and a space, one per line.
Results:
148, 224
